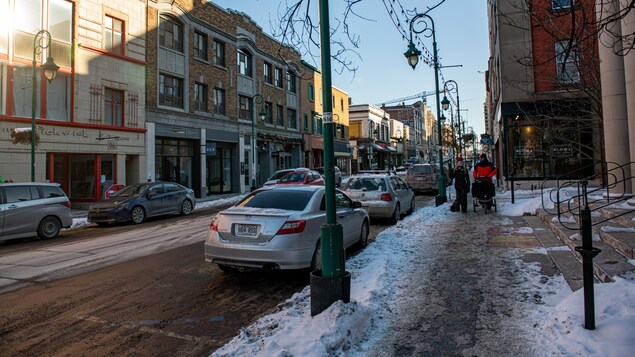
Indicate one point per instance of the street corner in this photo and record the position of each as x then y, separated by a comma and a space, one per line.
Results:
511, 232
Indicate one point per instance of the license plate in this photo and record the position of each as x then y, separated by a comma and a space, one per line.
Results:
249, 230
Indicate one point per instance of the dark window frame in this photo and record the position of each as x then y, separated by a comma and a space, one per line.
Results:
200, 45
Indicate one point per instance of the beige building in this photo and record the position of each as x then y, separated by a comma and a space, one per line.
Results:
90, 119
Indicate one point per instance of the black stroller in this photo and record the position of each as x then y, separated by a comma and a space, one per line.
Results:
484, 194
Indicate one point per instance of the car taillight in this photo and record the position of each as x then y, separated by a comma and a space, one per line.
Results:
386, 197
214, 225
67, 204
292, 227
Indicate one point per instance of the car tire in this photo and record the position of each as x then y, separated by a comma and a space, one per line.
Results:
396, 215
137, 215
49, 228
412, 206
186, 208
363, 235
316, 262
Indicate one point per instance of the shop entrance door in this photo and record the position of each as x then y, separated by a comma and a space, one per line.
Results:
219, 177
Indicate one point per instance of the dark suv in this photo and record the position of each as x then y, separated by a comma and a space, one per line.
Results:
33, 208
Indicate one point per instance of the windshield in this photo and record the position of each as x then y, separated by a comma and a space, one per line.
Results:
278, 175
281, 199
293, 177
129, 191
420, 169
367, 184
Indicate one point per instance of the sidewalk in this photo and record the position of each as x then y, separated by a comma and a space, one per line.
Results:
442, 283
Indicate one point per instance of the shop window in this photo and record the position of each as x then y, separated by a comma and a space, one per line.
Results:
113, 35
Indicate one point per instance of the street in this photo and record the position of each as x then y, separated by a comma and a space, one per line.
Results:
142, 290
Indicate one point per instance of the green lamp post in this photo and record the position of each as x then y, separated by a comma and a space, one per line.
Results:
452, 86
41, 42
257, 99
412, 54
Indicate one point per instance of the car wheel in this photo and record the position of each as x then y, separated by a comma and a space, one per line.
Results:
363, 235
226, 268
316, 262
138, 215
186, 207
412, 206
396, 215
49, 228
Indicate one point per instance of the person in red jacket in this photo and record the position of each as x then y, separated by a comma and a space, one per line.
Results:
484, 170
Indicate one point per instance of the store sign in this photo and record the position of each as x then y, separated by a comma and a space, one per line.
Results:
210, 149
524, 151
561, 151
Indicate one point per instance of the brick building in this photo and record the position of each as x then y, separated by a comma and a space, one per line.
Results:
210, 73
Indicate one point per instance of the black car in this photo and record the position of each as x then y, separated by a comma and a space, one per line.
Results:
135, 203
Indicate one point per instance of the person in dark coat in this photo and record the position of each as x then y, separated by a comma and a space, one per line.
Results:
484, 172
461, 178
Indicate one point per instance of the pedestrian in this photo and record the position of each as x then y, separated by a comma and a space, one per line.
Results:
484, 173
461, 178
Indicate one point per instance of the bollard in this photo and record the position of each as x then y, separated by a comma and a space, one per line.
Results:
588, 252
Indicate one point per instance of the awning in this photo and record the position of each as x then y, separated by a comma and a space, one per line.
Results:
391, 149
378, 148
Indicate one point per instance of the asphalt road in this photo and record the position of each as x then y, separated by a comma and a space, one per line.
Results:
146, 290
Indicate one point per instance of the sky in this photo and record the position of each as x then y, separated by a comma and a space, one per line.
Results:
383, 73
351, 329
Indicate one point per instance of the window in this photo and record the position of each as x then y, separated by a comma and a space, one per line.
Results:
244, 63
306, 122
342, 104
269, 111
561, 4
292, 118
566, 62
244, 108
170, 34
278, 77
219, 101
219, 53
268, 76
113, 36
170, 91
200, 97
291, 82
311, 92
58, 98
113, 107
279, 115
200, 45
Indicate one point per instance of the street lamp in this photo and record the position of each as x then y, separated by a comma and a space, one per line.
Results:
412, 54
452, 86
262, 115
41, 42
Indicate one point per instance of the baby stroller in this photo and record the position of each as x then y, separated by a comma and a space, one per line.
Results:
483, 193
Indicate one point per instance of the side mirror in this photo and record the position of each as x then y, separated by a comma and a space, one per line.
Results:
357, 204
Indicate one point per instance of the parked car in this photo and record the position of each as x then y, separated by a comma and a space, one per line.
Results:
422, 177
383, 196
338, 175
33, 208
135, 203
278, 227
301, 177
276, 176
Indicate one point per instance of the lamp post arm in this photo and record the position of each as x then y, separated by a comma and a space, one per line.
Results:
41, 41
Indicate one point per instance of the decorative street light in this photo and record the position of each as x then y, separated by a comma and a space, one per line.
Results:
412, 54
262, 114
41, 42
452, 86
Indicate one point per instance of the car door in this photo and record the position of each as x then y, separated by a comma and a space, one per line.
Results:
174, 195
2, 208
346, 217
156, 200
405, 194
23, 210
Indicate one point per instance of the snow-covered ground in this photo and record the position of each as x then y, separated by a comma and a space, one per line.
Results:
291, 331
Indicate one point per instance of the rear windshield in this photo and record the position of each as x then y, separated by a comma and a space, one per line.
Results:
278, 175
52, 191
293, 177
281, 199
420, 169
367, 184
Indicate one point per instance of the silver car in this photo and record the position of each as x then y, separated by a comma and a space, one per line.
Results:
423, 178
383, 196
278, 227
33, 208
